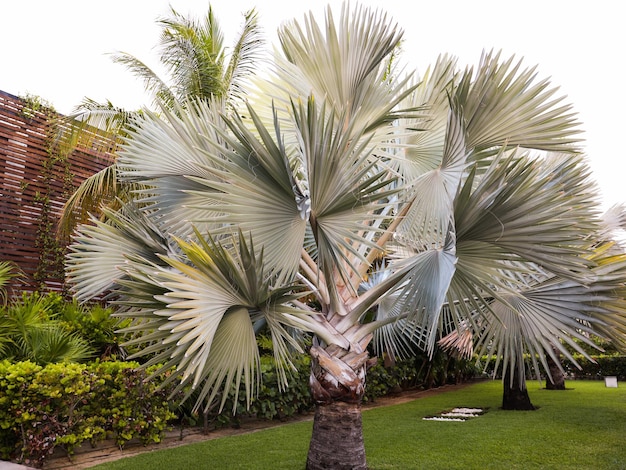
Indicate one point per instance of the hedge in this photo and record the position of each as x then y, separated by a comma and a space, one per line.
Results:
66, 404
604, 365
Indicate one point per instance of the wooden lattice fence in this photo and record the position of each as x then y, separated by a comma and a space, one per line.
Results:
41, 163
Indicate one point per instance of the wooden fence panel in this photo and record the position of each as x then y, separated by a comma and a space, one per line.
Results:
36, 178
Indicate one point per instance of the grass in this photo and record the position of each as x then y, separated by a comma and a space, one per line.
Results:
583, 427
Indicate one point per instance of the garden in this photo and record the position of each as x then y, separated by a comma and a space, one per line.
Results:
582, 427
65, 384
66, 388
310, 240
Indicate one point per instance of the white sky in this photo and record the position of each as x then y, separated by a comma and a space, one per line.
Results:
58, 50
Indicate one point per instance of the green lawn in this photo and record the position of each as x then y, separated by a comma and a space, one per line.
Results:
580, 428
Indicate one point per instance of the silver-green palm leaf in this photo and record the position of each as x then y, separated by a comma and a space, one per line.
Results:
212, 298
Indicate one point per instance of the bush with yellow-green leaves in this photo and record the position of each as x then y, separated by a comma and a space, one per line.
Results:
67, 404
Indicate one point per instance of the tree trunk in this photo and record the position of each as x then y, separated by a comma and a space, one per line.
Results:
337, 387
558, 377
515, 396
337, 439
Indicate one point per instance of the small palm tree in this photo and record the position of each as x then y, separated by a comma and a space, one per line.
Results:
269, 220
198, 65
29, 332
8, 272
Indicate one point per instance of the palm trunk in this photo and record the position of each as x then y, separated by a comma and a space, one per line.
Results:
337, 439
337, 387
556, 380
515, 396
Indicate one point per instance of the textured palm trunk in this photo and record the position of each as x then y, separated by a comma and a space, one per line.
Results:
515, 396
337, 439
337, 387
557, 380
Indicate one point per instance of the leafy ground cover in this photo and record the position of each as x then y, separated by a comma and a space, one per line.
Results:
583, 427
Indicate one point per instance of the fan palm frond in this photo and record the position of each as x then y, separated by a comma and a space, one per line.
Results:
212, 297
502, 106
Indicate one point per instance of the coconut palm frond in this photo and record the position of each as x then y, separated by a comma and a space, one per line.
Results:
94, 193
153, 84
244, 57
104, 116
193, 53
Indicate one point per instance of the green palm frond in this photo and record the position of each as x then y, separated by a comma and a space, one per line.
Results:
153, 84
52, 343
193, 53
94, 193
105, 116
8, 272
244, 57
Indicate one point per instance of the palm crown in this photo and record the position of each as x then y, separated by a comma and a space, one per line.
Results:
465, 186
198, 65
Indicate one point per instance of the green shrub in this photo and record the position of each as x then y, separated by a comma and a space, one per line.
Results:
47, 328
605, 364
65, 405
274, 402
30, 330
96, 325
613, 364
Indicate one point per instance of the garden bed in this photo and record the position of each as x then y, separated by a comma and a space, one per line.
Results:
106, 451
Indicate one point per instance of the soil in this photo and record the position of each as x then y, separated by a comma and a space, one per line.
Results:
107, 451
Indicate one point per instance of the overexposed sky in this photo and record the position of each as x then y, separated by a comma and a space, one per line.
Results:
58, 50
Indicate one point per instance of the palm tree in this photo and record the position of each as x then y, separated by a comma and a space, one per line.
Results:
198, 65
31, 331
267, 221
8, 272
